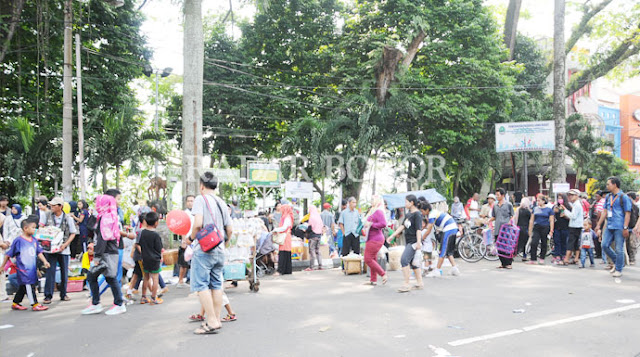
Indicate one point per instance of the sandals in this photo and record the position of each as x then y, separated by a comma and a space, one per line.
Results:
229, 318
404, 289
308, 269
417, 287
508, 267
384, 279
65, 298
371, 283
144, 300
205, 329
196, 318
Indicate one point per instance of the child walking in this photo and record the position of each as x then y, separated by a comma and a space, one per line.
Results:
587, 239
150, 247
25, 249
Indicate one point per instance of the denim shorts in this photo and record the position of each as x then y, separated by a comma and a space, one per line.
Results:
206, 269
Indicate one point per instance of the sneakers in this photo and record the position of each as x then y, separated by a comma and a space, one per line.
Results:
156, 301
18, 307
532, 262
435, 273
181, 286
612, 270
616, 274
540, 261
455, 271
144, 300
92, 309
116, 310
38, 307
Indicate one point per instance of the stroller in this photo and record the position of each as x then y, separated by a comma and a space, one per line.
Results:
265, 264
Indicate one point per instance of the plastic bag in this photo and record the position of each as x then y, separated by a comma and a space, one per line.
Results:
417, 259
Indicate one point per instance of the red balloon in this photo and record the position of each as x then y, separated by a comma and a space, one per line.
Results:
178, 222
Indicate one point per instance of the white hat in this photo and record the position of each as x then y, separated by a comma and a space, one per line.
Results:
574, 192
491, 195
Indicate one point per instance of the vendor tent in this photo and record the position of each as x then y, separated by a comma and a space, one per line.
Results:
396, 200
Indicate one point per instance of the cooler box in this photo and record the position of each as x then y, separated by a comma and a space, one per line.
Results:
234, 271
352, 265
75, 284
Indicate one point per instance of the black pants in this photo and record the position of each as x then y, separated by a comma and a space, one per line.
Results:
540, 234
350, 242
29, 290
522, 240
284, 262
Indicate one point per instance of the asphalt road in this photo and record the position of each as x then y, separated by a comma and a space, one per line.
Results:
567, 312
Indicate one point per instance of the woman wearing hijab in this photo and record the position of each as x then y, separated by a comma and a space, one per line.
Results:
11, 228
284, 250
316, 226
375, 223
457, 209
522, 218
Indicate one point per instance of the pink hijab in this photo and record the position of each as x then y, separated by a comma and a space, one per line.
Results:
286, 211
108, 217
315, 221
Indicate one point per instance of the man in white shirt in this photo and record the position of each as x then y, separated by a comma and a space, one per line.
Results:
56, 217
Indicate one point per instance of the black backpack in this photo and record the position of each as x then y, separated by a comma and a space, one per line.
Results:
92, 223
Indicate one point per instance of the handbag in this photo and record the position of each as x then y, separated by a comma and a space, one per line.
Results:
188, 253
279, 238
210, 236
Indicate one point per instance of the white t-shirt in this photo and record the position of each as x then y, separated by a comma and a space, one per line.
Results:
473, 206
219, 213
57, 220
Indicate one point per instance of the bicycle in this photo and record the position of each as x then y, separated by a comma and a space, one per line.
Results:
470, 244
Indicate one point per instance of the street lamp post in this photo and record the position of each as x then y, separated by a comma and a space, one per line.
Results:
165, 72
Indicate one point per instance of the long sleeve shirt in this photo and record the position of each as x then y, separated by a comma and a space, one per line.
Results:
576, 217
378, 222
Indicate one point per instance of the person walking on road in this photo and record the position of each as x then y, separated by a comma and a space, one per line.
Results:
317, 227
522, 217
206, 267
576, 219
502, 213
412, 224
617, 211
284, 250
375, 223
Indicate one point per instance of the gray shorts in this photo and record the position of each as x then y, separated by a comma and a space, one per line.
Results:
407, 256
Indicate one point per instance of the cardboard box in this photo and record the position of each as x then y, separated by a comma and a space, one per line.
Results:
305, 253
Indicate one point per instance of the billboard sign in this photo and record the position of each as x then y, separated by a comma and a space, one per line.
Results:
263, 174
526, 136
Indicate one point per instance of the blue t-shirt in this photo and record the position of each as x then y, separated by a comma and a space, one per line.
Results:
541, 216
615, 213
26, 254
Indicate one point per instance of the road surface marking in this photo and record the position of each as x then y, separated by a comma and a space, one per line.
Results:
467, 341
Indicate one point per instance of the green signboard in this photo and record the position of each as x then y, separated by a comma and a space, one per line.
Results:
263, 174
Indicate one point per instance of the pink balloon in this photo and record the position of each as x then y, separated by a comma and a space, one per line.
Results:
178, 222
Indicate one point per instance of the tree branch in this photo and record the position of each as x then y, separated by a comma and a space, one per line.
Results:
583, 27
626, 49
413, 49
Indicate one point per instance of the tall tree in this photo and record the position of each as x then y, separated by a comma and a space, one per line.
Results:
558, 170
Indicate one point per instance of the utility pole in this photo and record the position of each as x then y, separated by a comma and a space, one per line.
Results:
67, 108
83, 186
192, 97
155, 127
558, 171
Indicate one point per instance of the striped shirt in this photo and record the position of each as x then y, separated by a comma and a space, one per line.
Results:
442, 222
599, 206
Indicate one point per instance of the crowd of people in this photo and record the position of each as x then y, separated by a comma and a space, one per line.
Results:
605, 228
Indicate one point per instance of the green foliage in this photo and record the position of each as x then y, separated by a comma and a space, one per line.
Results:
113, 54
605, 165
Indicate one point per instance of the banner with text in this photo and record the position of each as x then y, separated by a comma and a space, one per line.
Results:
525, 136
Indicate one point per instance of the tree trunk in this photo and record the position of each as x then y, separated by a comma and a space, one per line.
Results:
16, 11
558, 172
192, 97
386, 72
456, 182
511, 26
104, 177
118, 177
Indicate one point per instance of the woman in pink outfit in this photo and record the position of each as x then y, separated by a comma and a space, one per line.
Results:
376, 221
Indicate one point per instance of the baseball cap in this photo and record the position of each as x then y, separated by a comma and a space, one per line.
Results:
326, 205
491, 195
57, 201
574, 192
